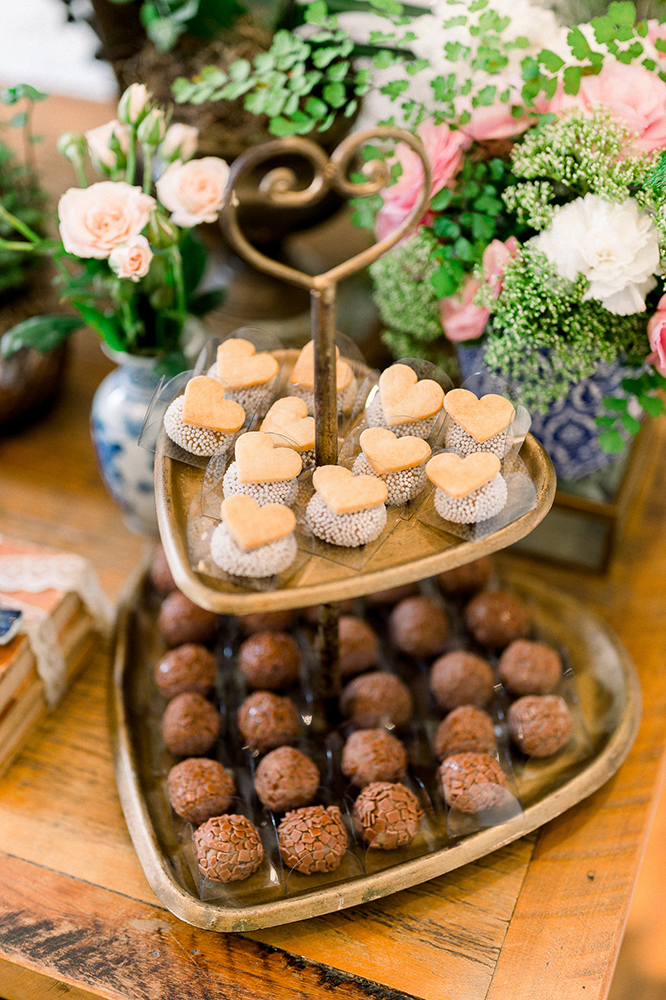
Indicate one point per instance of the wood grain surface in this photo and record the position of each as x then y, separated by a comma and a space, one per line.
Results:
541, 918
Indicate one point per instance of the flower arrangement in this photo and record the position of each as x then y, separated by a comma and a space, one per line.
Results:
127, 259
546, 233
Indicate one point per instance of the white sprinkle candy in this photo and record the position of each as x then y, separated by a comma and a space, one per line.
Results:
283, 491
458, 440
480, 505
250, 397
416, 428
402, 486
267, 560
197, 440
346, 397
348, 530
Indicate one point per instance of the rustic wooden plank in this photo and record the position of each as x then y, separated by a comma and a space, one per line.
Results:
121, 949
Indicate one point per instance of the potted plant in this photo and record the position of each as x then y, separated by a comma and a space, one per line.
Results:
129, 264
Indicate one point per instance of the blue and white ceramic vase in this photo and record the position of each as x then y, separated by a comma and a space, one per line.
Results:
116, 418
568, 429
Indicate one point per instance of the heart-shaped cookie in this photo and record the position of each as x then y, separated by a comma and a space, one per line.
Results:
251, 525
461, 476
346, 494
388, 453
204, 405
482, 418
288, 418
404, 398
303, 373
259, 460
239, 366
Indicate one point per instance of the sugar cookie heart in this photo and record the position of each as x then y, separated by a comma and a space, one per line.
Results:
251, 525
238, 366
461, 476
289, 418
204, 405
303, 373
482, 418
388, 453
346, 494
259, 460
404, 398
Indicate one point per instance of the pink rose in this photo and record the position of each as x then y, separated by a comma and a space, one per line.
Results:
444, 147
495, 121
131, 260
632, 93
194, 191
658, 345
659, 316
96, 219
461, 318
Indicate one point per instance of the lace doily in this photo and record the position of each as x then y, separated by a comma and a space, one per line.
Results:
61, 571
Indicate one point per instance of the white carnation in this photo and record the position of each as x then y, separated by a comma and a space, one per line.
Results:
614, 245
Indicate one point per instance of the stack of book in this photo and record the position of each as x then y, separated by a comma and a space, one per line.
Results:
22, 696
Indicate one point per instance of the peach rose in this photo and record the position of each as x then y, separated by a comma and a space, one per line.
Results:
96, 219
194, 191
461, 318
632, 93
444, 147
179, 142
99, 143
134, 103
131, 260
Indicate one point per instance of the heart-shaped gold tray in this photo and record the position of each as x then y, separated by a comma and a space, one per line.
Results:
608, 697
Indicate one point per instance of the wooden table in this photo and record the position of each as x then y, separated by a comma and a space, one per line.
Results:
542, 918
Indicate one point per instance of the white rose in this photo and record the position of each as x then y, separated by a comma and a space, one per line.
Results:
615, 245
180, 142
134, 103
193, 191
131, 260
96, 219
99, 143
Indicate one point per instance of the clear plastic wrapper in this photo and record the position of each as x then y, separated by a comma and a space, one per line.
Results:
348, 355
452, 437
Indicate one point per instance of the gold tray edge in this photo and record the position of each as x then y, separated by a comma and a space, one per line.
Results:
175, 547
156, 866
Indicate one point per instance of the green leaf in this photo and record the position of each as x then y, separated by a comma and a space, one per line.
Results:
630, 423
607, 422
316, 13
441, 200
652, 405
616, 403
19, 120
446, 229
445, 280
40, 332
550, 60
611, 442
107, 327
622, 12
199, 305
572, 78
194, 257
315, 107
335, 93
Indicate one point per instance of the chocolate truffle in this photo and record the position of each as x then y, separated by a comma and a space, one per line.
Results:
199, 788
387, 815
495, 619
266, 621
228, 848
530, 668
359, 646
180, 620
373, 698
286, 779
472, 782
540, 725
312, 839
373, 755
160, 574
269, 660
461, 678
466, 580
386, 598
266, 720
190, 725
186, 668
419, 626
465, 729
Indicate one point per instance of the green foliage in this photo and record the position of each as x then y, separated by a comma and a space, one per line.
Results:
41, 332
20, 194
618, 423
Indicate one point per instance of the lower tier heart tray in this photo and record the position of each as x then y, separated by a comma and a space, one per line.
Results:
599, 684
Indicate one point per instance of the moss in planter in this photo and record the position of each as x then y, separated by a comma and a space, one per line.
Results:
21, 195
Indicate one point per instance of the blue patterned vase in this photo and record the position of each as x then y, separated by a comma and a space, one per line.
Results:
116, 418
568, 429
